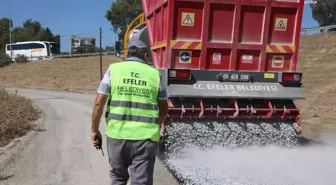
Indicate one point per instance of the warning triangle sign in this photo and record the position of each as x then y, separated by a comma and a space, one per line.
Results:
188, 21
281, 25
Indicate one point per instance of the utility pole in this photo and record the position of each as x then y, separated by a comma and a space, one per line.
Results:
115, 44
10, 28
115, 40
72, 45
100, 53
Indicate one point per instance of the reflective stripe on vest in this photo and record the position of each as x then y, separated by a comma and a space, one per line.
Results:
125, 117
137, 105
132, 110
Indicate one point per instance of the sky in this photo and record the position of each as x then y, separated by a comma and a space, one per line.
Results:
79, 17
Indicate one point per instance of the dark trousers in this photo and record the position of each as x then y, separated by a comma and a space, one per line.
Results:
137, 156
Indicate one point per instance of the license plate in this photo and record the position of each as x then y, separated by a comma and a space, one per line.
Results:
235, 77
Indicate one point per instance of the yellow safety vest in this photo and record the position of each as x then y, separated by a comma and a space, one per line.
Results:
132, 110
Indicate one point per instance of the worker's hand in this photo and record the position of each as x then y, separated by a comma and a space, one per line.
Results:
96, 138
162, 129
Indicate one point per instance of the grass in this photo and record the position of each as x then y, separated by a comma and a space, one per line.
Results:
16, 116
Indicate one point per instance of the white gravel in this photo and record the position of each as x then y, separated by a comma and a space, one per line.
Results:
281, 164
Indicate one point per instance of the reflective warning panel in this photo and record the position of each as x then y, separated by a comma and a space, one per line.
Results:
281, 24
188, 19
269, 75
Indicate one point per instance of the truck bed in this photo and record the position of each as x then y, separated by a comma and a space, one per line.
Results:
244, 35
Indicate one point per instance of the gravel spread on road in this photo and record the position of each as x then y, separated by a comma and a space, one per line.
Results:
232, 153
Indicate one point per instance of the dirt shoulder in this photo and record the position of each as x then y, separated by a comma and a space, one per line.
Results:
16, 116
80, 75
316, 60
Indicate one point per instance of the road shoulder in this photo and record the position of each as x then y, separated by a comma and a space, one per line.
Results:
12, 149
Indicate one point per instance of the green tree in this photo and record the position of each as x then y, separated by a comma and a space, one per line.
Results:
122, 13
18, 34
109, 48
32, 27
86, 49
29, 31
324, 12
4, 32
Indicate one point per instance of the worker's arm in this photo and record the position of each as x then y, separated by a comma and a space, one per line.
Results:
97, 111
98, 106
163, 110
162, 102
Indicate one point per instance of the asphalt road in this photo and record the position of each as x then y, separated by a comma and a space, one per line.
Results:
61, 152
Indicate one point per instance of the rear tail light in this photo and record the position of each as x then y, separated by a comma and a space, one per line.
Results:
179, 73
291, 77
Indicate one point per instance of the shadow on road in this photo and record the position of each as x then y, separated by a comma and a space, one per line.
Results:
39, 129
39, 99
3, 178
303, 141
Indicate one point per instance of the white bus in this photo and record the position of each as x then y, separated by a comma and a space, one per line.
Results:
34, 50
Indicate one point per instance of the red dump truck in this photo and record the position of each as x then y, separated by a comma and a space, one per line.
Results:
227, 59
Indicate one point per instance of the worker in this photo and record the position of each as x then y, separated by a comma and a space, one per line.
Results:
137, 106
